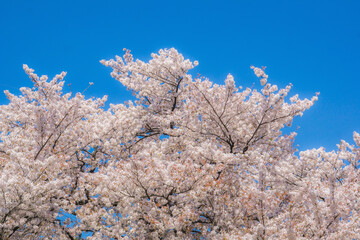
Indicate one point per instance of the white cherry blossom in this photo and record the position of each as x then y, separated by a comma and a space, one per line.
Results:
189, 159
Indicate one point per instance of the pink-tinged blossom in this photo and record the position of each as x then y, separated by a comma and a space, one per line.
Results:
188, 159
357, 138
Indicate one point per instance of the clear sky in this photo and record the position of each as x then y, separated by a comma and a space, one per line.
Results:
313, 44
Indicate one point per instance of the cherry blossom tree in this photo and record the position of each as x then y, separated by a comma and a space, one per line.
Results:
188, 159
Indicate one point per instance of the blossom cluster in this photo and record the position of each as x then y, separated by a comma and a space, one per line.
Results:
189, 159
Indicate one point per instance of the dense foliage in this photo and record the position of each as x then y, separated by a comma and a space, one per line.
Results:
188, 159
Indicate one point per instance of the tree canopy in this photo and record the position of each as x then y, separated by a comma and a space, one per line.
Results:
189, 159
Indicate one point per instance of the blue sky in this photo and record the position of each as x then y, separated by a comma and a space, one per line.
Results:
312, 44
